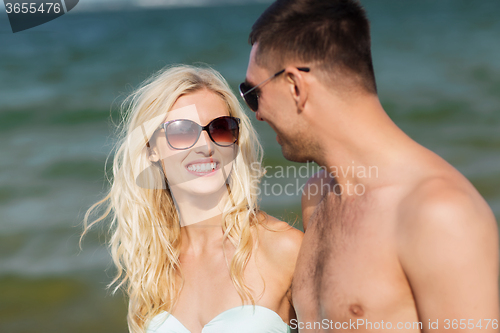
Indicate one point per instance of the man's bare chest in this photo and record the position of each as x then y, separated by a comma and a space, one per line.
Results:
348, 263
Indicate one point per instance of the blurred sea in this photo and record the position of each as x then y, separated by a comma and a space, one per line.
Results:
438, 73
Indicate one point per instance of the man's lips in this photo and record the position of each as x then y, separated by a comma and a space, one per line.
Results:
203, 167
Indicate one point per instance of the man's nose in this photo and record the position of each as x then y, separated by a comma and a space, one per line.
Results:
257, 115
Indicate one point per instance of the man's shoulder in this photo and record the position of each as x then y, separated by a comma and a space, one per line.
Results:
442, 197
444, 207
447, 246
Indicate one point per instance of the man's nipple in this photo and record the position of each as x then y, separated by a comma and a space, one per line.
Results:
356, 310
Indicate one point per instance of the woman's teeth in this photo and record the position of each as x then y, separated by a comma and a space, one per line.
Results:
202, 167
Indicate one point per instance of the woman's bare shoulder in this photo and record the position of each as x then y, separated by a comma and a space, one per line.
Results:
279, 241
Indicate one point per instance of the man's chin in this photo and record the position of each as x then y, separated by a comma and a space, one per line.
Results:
293, 154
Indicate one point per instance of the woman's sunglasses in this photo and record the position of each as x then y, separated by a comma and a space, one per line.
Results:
184, 133
251, 95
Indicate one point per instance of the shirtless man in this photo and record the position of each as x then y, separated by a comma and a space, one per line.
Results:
415, 248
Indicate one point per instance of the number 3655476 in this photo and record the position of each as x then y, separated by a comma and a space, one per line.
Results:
32, 8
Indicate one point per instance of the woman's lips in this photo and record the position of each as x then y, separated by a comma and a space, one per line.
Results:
203, 168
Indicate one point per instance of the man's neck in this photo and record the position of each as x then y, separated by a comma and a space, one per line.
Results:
360, 144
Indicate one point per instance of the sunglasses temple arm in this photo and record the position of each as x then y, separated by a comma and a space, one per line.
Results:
269, 78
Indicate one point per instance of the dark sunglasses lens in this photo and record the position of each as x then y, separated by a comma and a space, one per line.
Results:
251, 98
224, 131
182, 134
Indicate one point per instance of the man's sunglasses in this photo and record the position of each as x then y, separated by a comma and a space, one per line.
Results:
250, 94
184, 133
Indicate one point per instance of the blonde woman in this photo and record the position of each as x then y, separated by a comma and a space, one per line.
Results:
192, 249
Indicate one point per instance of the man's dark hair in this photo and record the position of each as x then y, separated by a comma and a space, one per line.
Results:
334, 34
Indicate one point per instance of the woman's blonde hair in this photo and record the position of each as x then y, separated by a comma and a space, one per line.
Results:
145, 232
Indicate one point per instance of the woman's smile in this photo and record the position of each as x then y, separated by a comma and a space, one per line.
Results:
203, 167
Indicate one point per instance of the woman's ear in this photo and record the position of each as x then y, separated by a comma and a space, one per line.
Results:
153, 155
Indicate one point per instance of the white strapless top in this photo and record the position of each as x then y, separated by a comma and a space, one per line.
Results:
241, 319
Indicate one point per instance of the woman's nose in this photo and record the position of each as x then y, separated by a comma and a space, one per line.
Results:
204, 144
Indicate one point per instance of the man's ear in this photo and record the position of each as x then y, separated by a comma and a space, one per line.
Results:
153, 155
299, 88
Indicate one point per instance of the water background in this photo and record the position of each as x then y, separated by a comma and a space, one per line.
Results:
438, 73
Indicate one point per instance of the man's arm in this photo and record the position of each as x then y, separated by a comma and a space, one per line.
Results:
449, 251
